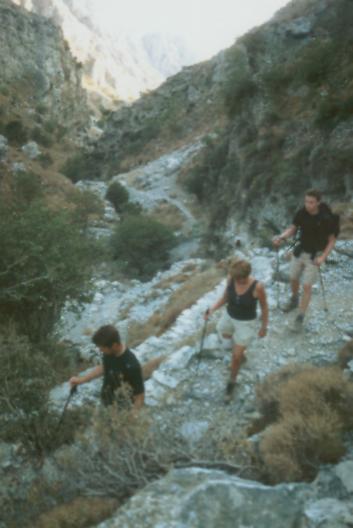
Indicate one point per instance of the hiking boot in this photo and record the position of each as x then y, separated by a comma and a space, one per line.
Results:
229, 392
292, 304
298, 323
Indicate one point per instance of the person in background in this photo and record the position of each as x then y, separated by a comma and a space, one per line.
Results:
318, 229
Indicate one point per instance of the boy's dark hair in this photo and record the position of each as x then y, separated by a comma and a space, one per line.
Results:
106, 336
314, 193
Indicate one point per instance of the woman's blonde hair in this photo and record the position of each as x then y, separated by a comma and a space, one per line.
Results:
239, 269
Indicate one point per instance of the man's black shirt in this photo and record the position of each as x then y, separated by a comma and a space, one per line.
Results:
314, 229
118, 370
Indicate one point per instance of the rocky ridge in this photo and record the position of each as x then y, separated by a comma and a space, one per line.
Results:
274, 111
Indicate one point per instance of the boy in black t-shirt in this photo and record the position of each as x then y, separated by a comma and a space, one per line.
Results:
119, 368
317, 237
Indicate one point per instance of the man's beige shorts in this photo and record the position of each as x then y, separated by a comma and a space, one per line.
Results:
242, 332
304, 265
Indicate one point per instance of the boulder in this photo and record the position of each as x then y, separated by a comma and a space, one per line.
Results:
198, 498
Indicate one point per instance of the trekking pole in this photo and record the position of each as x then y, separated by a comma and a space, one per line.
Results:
323, 291
277, 277
203, 337
73, 391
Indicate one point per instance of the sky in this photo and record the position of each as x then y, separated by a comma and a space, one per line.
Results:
207, 26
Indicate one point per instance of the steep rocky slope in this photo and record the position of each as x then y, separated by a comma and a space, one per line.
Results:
116, 66
43, 107
275, 112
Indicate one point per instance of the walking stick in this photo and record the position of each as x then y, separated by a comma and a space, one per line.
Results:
73, 391
277, 277
203, 337
323, 291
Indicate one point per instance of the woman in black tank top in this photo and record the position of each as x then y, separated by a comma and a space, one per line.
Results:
242, 295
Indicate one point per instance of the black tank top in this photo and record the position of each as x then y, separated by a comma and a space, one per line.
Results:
241, 307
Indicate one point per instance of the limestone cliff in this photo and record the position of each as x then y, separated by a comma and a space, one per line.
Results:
40, 81
116, 65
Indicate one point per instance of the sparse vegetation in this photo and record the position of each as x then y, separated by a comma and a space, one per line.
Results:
27, 374
16, 132
141, 245
76, 168
309, 409
42, 137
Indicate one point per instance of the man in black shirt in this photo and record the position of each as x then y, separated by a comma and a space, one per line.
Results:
120, 369
317, 237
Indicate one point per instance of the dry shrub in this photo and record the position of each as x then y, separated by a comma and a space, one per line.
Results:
309, 391
79, 513
345, 354
120, 453
268, 392
313, 407
293, 449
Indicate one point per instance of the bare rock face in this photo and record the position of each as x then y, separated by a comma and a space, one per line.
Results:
115, 67
197, 498
38, 71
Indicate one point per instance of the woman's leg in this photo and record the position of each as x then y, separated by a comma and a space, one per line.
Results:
238, 357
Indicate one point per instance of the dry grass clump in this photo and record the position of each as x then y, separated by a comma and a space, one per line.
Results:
190, 291
345, 354
268, 392
79, 513
312, 408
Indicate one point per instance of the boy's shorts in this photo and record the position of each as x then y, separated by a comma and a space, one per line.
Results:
304, 265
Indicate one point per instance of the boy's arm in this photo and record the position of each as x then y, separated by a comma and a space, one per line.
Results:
92, 374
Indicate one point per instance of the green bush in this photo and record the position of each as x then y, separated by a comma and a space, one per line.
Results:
16, 132
27, 374
75, 168
117, 195
141, 245
41, 137
236, 92
334, 109
87, 204
203, 177
26, 187
45, 160
44, 262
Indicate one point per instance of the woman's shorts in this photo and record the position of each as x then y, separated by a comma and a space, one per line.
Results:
242, 332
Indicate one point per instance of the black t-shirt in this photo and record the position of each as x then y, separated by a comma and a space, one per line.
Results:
119, 370
314, 229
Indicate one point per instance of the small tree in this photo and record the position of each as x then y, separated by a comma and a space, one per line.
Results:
142, 245
44, 262
117, 195
26, 376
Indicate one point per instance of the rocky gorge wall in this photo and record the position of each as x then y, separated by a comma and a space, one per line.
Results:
275, 113
38, 73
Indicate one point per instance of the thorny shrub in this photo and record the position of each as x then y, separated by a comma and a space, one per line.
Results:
26, 376
120, 453
311, 408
